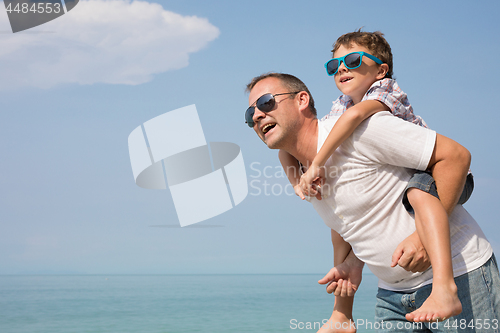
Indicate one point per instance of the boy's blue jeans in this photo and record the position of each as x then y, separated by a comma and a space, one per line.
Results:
479, 292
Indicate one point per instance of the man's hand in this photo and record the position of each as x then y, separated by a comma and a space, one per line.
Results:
411, 255
344, 279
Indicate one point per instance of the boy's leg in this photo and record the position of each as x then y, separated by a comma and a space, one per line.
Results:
479, 292
341, 320
431, 221
390, 311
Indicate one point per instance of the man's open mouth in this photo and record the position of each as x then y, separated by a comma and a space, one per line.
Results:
267, 128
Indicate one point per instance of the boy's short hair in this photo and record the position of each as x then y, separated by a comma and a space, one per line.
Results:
290, 82
373, 41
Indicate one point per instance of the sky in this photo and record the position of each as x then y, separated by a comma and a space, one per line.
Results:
73, 89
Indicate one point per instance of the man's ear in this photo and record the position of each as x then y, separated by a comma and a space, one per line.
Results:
303, 98
382, 71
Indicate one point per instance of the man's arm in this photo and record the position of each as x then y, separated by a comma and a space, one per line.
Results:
389, 140
340, 248
344, 279
449, 165
341, 275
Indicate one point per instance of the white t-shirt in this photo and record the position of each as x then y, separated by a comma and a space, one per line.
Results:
362, 198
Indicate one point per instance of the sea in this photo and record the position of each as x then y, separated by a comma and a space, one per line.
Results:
173, 303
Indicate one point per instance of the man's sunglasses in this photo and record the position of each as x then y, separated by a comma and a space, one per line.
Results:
264, 103
352, 60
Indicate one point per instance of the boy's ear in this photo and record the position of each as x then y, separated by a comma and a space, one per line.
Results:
382, 71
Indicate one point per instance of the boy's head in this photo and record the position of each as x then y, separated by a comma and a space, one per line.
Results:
373, 41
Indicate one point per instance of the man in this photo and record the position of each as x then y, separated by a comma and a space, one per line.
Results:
364, 184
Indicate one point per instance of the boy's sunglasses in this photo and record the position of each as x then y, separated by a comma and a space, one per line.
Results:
352, 60
264, 103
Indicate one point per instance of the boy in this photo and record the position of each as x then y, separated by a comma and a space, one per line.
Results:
362, 68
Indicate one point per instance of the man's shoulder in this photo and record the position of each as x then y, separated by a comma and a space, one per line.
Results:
326, 123
382, 118
384, 125
375, 122
339, 106
328, 119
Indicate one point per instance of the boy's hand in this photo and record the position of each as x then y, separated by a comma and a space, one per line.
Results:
312, 180
344, 279
298, 191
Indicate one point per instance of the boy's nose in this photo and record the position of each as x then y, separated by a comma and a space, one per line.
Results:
342, 68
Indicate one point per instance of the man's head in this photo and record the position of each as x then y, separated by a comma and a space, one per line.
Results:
359, 60
278, 105
289, 82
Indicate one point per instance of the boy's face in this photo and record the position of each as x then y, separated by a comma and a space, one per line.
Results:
356, 82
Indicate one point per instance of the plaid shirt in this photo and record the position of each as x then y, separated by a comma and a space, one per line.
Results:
386, 91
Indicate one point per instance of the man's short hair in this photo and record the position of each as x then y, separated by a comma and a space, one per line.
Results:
290, 82
373, 41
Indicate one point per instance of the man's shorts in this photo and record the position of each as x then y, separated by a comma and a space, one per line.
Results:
424, 181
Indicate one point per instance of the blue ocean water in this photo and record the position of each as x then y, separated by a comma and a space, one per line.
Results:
170, 303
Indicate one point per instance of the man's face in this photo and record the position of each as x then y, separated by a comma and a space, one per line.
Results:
273, 127
356, 82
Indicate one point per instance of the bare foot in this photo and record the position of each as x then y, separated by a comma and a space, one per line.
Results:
338, 323
442, 303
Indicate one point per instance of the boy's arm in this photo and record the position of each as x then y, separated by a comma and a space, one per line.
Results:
345, 126
291, 167
342, 129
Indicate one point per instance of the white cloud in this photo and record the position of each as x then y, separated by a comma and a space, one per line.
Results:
115, 42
